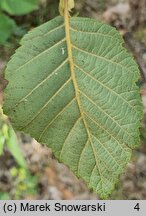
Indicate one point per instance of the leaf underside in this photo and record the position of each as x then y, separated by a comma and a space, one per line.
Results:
96, 138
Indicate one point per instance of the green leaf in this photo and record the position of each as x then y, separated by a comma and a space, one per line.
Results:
75, 91
19, 7
7, 27
14, 148
4, 196
2, 141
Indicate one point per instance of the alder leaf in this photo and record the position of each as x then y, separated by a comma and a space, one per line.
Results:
74, 89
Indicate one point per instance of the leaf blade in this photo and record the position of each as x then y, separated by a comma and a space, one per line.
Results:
89, 121
7, 26
19, 7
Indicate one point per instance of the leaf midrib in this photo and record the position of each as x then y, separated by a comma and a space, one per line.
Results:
71, 62
72, 68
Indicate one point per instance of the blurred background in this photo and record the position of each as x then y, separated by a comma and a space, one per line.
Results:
28, 170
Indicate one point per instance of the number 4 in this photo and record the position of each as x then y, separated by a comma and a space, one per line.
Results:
137, 207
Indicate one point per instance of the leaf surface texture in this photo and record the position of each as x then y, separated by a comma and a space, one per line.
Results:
86, 110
